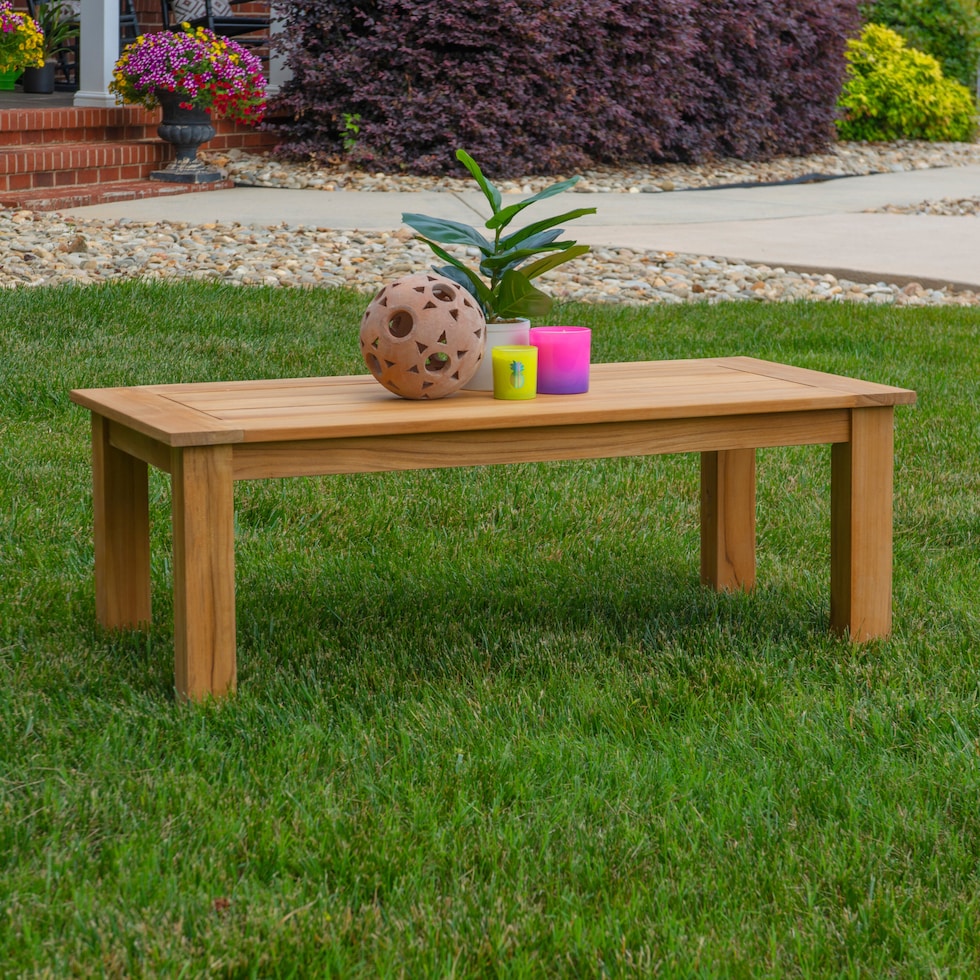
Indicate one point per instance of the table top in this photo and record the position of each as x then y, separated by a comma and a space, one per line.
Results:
221, 412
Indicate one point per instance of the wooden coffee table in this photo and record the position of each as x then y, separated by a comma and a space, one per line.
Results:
209, 435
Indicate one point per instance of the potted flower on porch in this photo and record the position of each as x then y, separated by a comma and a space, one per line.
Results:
195, 76
21, 44
58, 20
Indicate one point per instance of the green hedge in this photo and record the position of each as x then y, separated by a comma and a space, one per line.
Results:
949, 30
893, 92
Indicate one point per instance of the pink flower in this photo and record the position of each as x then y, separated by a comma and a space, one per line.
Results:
213, 72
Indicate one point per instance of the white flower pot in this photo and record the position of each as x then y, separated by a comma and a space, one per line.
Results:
505, 333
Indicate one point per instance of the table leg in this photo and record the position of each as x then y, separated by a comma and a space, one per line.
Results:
728, 519
204, 571
120, 499
861, 526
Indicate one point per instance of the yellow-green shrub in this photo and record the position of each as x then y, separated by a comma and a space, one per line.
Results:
895, 92
949, 30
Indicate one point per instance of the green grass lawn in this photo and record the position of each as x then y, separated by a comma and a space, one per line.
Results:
488, 722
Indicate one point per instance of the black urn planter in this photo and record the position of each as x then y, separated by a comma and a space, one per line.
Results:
39, 81
186, 129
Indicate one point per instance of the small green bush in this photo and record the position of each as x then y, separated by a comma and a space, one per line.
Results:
949, 30
895, 92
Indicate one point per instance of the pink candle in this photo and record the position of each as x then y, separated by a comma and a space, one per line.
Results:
563, 359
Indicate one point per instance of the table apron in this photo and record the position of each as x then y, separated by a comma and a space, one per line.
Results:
372, 454
141, 446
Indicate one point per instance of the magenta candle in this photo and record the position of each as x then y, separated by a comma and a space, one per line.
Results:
563, 359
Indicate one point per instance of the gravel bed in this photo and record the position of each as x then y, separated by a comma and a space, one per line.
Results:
844, 160
47, 248
954, 207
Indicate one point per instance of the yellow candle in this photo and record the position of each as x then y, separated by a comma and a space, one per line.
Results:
515, 371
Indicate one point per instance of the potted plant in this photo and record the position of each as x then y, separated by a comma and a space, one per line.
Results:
59, 22
195, 76
21, 44
503, 285
206, 72
509, 260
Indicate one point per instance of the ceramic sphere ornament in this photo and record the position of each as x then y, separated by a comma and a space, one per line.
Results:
422, 336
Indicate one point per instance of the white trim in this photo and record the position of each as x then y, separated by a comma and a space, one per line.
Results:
99, 25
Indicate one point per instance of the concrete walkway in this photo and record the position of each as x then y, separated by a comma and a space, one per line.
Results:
816, 227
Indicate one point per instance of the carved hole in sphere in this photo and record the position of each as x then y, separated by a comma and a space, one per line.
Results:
373, 363
454, 314
401, 324
442, 338
443, 293
435, 363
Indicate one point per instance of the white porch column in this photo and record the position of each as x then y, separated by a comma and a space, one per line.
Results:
98, 45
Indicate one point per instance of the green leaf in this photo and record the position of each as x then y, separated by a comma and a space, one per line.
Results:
537, 241
458, 276
515, 296
550, 262
444, 230
543, 225
489, 191
482, 291
503, 216
504, 260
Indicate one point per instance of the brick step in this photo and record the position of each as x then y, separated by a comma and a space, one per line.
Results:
66, 156
71, 164
70, 124
55, 199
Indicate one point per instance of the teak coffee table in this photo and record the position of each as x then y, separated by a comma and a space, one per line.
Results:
207, 436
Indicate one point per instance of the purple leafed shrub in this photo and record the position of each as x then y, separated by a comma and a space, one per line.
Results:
543, 87
771, 73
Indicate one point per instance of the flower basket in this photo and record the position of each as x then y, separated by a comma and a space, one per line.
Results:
207, 71
21, 41
195, 76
